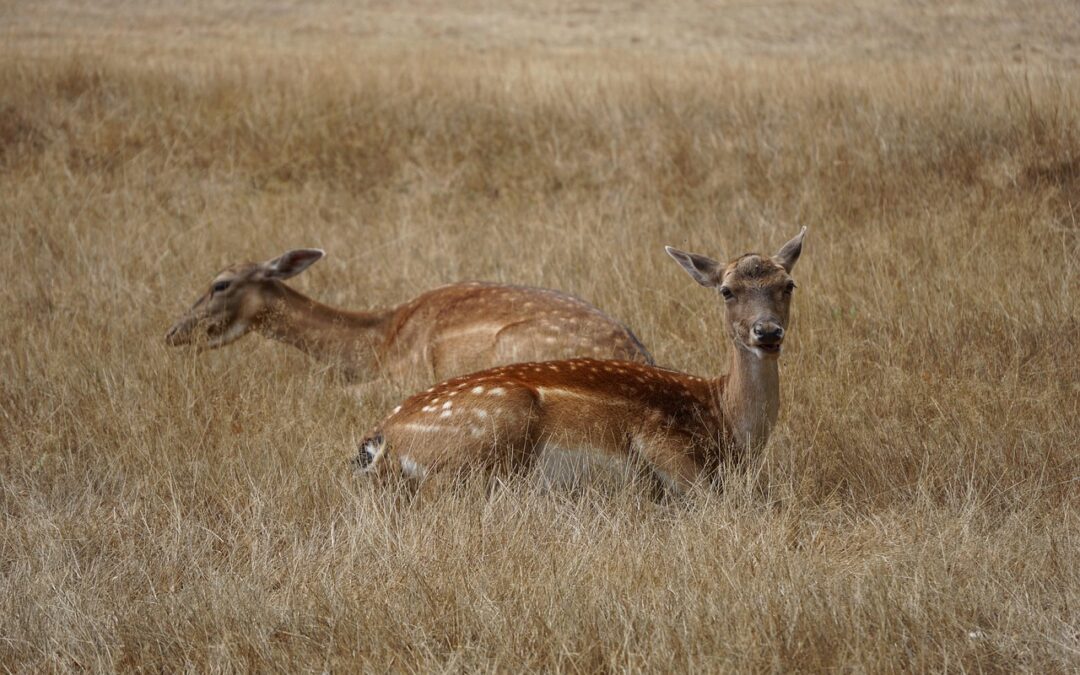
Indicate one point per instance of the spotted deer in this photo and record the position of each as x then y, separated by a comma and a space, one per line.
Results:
444, 332
577, 418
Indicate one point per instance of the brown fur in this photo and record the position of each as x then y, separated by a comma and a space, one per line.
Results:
679, 427
444, 332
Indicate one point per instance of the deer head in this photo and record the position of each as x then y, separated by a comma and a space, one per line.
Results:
756, 293
237, 297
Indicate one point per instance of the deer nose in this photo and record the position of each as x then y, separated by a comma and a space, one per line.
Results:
768, 333
174, 337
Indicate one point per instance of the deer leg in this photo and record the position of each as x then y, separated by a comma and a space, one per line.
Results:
672, 460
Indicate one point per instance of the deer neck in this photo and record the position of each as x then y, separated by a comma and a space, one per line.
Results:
750, 398
350, 339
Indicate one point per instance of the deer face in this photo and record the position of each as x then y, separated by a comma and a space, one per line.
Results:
237, 296
756, 292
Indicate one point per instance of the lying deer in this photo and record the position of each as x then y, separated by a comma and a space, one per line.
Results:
569, 417
447, 331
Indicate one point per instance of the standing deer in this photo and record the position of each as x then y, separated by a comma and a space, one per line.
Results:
447, 331
586, 416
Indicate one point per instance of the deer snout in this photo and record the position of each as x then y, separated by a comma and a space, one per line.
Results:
178, 334
768, 333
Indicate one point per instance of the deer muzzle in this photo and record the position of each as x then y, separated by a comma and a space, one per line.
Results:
768, 336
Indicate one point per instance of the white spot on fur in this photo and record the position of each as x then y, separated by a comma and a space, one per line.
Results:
446, 406
396, 410
421, 426
478, 390
446, 413
498, 391
481, 413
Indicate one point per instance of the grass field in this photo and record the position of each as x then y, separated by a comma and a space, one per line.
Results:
918, 507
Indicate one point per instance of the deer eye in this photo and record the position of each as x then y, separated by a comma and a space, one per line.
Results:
220, 286
789, 288
726, 292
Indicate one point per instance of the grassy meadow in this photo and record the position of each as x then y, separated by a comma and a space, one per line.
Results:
917, 508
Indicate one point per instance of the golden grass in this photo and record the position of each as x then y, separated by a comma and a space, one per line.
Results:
917, 509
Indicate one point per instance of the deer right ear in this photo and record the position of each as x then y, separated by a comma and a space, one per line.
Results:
703, 269
789, 253
291, 263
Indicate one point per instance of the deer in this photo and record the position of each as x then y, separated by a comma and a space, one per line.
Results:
447, 331
572, 419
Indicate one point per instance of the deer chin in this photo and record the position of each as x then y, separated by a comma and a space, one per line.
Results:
766, 351
219, 337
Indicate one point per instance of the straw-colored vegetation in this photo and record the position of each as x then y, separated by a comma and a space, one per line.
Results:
917, 508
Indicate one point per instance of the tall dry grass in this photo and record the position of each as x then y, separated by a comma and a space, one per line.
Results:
917, 509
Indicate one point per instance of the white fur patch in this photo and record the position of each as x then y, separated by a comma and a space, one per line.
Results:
572, 467
373, 449
235, 331
412, 469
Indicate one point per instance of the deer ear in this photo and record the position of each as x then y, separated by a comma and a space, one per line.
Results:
703, 269
291, 263
788, 254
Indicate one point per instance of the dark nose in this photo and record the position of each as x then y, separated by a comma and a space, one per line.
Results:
768, 333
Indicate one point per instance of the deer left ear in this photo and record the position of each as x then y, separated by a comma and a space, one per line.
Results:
291, 263
788, 254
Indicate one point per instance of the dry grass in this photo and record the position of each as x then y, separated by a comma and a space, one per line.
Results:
917, 509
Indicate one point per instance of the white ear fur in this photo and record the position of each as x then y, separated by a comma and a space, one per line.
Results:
703, 269
291, 263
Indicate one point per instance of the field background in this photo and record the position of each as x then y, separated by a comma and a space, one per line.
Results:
917, 508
